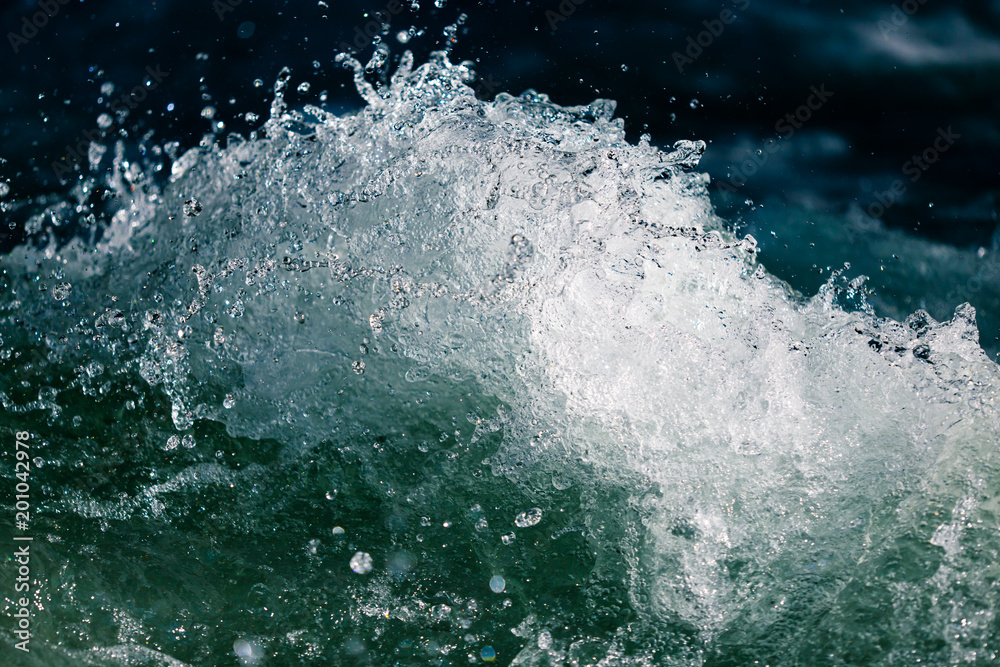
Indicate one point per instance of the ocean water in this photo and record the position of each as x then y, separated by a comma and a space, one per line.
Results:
451, 381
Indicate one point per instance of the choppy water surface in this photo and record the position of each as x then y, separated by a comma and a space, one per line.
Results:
445, 379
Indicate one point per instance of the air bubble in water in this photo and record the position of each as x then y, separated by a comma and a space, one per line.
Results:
303, 87
61, 291
528, 518
359, 367
4, 189
361, 563
497, 584
243, 649
104, 121
188, 441
695, 103
338, 531
508, 538
172, 443
228, 402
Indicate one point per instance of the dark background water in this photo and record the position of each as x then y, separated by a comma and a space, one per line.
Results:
894, 77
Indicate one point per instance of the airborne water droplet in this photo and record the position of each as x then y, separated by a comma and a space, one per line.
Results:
192, 207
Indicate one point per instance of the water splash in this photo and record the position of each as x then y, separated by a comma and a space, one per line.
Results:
743, 473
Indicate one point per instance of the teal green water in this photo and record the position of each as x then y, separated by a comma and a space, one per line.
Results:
453, 382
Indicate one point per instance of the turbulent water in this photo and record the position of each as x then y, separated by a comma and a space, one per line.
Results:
445, 379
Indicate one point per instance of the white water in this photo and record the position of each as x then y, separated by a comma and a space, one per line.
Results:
755, 467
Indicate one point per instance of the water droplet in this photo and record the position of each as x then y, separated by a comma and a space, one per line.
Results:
361, 563
497, 584
528, 518
192, 207
61, 291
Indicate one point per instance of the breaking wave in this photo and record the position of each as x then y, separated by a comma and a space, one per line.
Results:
483, 339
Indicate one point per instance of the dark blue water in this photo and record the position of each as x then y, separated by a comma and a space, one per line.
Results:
727, 73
